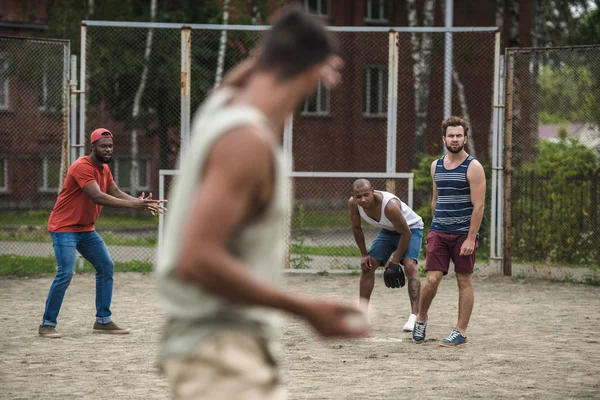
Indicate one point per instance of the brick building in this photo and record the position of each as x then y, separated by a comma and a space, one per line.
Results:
341, 130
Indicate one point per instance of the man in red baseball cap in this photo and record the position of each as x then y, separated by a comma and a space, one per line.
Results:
88, 186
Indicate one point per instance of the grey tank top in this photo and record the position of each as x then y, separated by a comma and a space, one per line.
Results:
192, 313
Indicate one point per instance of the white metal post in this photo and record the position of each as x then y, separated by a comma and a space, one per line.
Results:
494, 257
500, 215
448, 60
73, 109
186, 69
82, 104
288, 131
392, 110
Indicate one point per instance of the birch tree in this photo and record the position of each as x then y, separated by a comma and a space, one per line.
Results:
222, 44
135, 167
421, 55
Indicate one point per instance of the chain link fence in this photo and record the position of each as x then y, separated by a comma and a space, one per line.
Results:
136, 86
34, 140
553, 167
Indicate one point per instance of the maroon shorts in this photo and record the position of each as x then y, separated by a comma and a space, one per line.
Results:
443, 247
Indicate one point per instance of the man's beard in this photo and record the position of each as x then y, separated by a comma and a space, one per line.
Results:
458, 150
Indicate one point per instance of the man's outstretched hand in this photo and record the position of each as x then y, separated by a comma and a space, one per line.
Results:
149, 204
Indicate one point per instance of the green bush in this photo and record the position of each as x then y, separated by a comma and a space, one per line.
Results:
554, 204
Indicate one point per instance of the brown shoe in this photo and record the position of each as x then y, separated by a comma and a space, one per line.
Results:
110, 328
48, 332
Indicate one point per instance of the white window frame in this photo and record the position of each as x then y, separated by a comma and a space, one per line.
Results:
144, 163
43, 106
319, 112
4, 85
44, 188
319, 11
4, 161
383, 4
381, 111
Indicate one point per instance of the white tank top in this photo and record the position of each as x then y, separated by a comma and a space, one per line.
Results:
412, 218
194, 313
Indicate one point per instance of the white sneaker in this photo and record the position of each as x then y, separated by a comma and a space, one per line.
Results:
410, 324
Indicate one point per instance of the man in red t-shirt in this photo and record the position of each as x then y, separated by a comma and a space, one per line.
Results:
88, 186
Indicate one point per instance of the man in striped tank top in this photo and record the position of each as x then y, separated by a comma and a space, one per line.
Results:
457, 209
400, 238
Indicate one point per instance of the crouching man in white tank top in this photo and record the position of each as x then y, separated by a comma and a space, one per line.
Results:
224, 243
400, 237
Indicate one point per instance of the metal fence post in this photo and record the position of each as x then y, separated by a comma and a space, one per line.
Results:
73, 105
510, 65
186, 68
392, 131
82, 84
494, 257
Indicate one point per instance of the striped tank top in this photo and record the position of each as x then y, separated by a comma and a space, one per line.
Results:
453, 208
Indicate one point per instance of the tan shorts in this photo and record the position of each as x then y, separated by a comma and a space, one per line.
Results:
227, 365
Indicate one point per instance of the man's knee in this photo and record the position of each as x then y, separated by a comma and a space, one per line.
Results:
434, 278
464, 280
410, 267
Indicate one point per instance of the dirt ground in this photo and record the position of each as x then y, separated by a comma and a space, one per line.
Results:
528, 340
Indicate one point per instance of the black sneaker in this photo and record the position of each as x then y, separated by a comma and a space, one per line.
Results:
418, 333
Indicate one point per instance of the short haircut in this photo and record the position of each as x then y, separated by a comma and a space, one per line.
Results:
454, 121
361, 183
296, 42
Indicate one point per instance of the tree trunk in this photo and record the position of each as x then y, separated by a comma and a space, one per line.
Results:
222, 45
537, 40
135, 167
421, 55
512, 8
462, 99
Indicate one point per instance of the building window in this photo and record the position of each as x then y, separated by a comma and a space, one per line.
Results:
317, 7
376, 88
3, 81
318, 103
3, 174
47, 95
49, 174
377, 11
122, 173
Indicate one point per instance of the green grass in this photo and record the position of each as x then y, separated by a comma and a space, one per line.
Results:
36, 218
339, 251
327, 219
13, 265
39, 218
41, 235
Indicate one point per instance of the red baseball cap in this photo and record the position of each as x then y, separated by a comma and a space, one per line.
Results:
99, 134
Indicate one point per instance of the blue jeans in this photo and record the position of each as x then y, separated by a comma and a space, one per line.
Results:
91, 246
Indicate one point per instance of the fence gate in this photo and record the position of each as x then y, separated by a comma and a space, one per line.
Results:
552, 162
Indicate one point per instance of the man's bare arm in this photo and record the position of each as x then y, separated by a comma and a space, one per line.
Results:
394, 213
357, 231
476, 179
434, 196
93, 191
114, 191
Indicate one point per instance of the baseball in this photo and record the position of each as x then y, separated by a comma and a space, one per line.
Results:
357, 321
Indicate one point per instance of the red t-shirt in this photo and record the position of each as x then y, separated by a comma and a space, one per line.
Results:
74, 211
